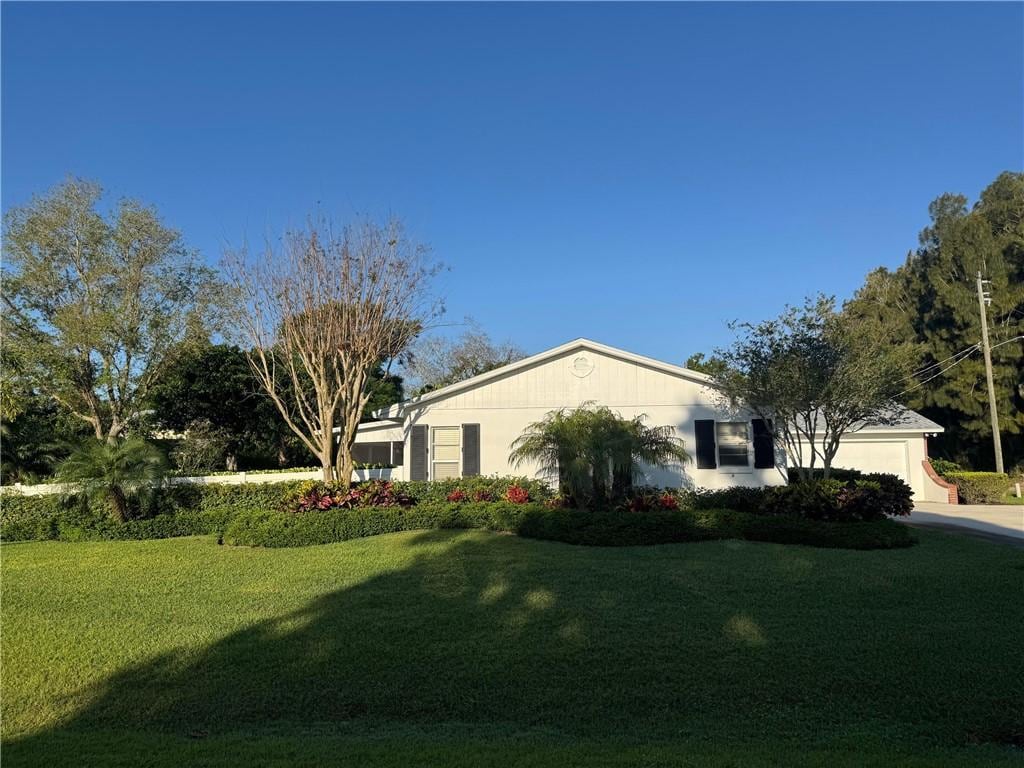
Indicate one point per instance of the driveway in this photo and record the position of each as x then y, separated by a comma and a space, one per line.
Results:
996, 522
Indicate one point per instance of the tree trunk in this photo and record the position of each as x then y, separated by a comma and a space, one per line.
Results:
327, 451
345, 469
118, 504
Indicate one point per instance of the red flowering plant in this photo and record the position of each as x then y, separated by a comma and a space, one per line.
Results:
457, 496
668, 501
647, 499
315, 498
517, 494
483, 495
374, 493
381, 493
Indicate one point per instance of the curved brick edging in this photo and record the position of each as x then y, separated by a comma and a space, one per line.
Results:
951, 490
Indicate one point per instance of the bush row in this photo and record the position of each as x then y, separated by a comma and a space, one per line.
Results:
274, 528
863, 498
610, 528
193, 509
176, 510
980, 487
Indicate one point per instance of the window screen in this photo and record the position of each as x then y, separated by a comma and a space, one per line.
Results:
733, 444
371, 453
446, 452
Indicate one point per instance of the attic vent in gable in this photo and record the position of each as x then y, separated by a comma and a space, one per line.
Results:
581, 366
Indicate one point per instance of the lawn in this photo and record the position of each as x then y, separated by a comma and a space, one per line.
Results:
472, 648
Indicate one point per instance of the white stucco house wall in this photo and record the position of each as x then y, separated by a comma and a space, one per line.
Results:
467, 428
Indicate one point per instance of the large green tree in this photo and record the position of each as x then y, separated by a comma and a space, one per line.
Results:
97, 302
931, 301
814, 375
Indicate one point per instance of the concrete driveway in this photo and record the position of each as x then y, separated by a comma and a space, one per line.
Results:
998, 522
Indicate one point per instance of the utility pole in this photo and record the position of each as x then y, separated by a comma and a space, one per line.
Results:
996, 442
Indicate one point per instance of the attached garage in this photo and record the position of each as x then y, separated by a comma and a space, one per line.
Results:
900, 449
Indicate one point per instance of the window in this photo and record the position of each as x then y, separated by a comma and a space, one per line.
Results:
390, 454
446, 452
371, 453
733, 444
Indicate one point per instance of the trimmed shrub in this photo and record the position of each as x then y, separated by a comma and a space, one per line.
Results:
835, 473
24, 518
738, 498
980, 487
608, 528
812, 500
619, 528
177, 510
867, 497
257, 515
193, 509
280, 529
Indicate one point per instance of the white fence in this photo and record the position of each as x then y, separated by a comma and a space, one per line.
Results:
237, 478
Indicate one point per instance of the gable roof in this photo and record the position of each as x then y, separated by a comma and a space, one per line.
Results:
905, 420
396, 411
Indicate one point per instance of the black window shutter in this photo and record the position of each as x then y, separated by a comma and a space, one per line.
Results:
418, 451
397, 453
704, 431
470, 450
764, 447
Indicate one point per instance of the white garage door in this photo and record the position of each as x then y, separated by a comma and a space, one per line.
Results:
875, 456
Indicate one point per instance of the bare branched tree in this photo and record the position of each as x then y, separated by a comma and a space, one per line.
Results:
320, 312
437, 361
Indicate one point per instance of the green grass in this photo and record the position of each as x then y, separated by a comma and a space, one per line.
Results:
472, 649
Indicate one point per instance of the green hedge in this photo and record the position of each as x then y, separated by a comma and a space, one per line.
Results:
611, 528
853, 497
287, 529
622, 528
193, 509
252, 515
177, 510
980, 487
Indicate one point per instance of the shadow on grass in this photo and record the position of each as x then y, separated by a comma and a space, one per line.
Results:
476, 632
472, 630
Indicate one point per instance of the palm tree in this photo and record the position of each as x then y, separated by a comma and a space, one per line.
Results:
116, 473
640, 446
30, 449
595, 453
559, 445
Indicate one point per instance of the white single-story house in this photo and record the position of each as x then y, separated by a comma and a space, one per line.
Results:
467, 428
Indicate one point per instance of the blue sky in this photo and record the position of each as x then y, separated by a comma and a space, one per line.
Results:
637, 174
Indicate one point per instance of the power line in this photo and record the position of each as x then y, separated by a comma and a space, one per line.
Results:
1008, 341
927, 368
966, 354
